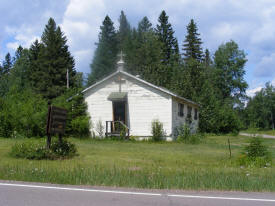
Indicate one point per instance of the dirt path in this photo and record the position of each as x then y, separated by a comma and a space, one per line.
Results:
262, 135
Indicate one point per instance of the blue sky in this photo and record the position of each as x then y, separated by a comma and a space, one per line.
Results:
248, 22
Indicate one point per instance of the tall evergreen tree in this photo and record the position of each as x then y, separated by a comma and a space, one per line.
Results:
35, 71
18, 53
7, 64
105, 57
5, 75
124, 31
19, 78
165, 34
144, 53
144, 25
193, 67
192, 43
54, 59
207, 58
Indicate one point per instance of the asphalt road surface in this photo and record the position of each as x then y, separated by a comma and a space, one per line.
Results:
34, 194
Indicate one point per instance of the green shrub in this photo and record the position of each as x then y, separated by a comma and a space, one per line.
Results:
38, 151
63, 149
157, 130
22, 113
78, 121
29, 150
184, 135
183, 132
122, 133
264, 161
81, 126
256, 148
255, 154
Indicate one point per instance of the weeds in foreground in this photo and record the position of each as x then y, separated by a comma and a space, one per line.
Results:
37, 150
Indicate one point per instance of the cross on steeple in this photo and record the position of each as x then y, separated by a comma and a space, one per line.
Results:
121, 55
120, 63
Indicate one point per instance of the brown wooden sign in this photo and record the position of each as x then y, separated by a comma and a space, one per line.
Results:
56, 120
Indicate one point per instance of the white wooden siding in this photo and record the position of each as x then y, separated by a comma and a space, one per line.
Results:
144, 104
177, 120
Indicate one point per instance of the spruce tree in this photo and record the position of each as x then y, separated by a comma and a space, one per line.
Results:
144, 53
54, 59
207, 58
105, 57
144, 25
124, 31
192, 43
7, 64
19, 78
193, 67
35, 71
165, 34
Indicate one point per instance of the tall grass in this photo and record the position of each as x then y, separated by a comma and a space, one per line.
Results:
144, 165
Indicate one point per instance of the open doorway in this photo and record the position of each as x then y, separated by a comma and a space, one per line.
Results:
119, 111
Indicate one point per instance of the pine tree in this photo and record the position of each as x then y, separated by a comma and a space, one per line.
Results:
19, 78
207, 58
7, 64
54, 59
192, 43
105, 57
34, 71
144, 53
165, 34
193, 67
124, 31
18, 53
144, 25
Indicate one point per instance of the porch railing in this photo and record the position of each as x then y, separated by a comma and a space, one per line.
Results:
114, 128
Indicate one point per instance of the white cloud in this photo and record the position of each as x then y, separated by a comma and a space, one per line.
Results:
248, 22
23, 35
266, 67
81, 23
252, 92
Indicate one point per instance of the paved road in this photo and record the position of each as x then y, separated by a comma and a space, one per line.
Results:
262, 135
33, 194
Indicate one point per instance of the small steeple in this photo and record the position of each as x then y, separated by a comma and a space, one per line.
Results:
120, 63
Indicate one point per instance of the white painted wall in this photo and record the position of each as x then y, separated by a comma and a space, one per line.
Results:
177, 120
144, 104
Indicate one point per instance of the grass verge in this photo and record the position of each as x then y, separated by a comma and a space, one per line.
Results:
145, 165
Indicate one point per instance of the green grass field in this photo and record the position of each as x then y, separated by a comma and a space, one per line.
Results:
173, 165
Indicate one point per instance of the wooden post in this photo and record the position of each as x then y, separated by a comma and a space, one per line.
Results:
48, 126
229, 147
272, 120
49, 138
106, 133
60, 138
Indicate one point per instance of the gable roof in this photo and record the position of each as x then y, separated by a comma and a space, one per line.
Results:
142, 81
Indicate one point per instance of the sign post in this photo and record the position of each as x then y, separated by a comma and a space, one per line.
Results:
56, 123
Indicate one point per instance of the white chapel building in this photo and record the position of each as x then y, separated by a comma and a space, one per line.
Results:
128, 99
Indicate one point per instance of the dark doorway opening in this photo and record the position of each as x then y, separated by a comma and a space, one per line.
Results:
119, 113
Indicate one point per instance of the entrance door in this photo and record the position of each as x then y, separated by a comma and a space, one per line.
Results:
119, 111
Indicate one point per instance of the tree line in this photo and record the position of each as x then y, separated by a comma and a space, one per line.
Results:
36, 75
